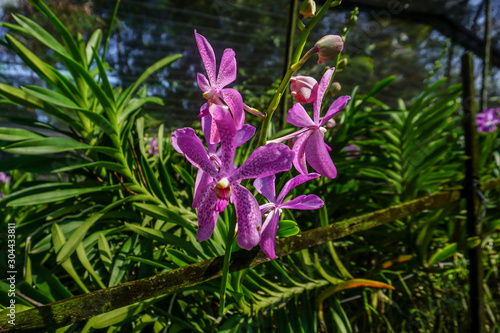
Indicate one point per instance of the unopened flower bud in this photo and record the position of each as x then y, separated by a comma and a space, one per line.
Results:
304, 89
307, 9
335, 88
342, 63
330, 124
328, 47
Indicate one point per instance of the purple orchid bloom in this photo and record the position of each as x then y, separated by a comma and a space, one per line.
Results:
4, 177
266, 187
310, 144
352, 151
215, 196
202, 178
153, 147
487, 120
213, 87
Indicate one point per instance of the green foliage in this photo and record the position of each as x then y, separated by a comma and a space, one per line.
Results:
93, 209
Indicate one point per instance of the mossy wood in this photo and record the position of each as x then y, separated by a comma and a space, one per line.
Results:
83, 307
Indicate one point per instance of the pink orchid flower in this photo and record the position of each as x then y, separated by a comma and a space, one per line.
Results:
153, 147
4, 177
225, 187
213, 87
487, 120
266, 187
202, 178
310, 145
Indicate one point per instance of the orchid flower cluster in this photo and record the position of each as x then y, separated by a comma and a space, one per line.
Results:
219, 181
152, 146
4, 178
488, 120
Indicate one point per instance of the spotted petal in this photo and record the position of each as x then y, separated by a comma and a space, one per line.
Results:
297, 116
299, 148
248, 216
203, 82
337, 106
227, 69
304, 202
208, 125
233, 99
244, 134
266, 187
292, 183
227, 133
202, 180
318, 157
207, 214
265, 161
207, 56
268, 234
323, 85
186, 142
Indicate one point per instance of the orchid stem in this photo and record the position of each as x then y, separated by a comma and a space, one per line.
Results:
296, 64
231, 226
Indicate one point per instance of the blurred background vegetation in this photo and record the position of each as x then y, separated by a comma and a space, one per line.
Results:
399, 38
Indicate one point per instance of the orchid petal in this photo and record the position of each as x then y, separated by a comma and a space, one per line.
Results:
186, 142
207, 215
289, 136
207, 56
323, 85
227, 133
214, 137
337, 106
204, 111
266, 207
233, 99
268, 234
202, 180
266, 187
304, 202
265, 161
244, 134
203, 82
227, 69
318, 157
299, 148
297, 116
206, 126
248, 216
294, 182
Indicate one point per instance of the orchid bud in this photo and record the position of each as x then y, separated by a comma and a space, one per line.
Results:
330, 124
328, 47
307, 9
342, 63
335, 88
304, 89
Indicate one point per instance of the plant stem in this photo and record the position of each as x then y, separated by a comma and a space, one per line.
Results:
289, 50
292, 69
231, 226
